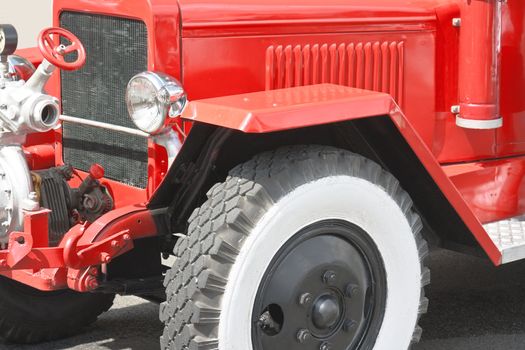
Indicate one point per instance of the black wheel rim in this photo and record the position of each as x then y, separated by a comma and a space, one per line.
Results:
325, 289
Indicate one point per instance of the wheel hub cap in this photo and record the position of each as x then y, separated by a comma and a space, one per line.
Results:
321, 292
326, 312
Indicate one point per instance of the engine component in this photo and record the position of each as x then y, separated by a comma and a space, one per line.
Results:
54, 193
70, 205
94, 199
24, 109
15, 188
19, 68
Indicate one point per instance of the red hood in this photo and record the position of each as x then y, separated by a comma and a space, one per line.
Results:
200, 15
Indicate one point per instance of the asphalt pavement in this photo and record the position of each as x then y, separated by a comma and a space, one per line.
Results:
473, 305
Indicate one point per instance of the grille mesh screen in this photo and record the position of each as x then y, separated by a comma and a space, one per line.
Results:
116, 51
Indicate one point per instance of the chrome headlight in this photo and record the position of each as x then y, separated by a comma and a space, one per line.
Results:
150, 97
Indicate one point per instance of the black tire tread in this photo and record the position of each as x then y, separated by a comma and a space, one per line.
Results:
28, 316
216, 231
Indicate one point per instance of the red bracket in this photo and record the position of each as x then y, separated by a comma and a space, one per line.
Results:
83, 280
35, 235
97, 253
20, 244
31, 261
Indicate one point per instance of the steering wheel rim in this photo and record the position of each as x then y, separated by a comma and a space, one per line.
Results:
55, 53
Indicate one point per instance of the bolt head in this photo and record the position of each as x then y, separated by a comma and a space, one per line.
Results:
325, 346
306, 299
351, 290
348, 325
329, 277
105, 258
92, 283
303, 336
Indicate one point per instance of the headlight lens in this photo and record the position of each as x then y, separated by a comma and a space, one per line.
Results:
150, 97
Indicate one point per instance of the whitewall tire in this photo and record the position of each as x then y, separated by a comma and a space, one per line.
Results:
337, 212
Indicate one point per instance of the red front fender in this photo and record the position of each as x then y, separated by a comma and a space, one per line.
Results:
294, 108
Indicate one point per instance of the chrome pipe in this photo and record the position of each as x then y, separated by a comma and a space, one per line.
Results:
102, 125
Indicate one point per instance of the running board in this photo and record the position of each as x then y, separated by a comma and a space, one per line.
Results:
509, 237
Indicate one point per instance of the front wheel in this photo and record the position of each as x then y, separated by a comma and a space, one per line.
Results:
302, 248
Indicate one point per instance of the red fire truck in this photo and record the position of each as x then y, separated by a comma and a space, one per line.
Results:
293, 159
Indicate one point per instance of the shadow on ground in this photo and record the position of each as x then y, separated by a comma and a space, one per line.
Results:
473, 306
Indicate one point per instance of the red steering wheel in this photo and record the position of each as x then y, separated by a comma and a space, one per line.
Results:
55, 52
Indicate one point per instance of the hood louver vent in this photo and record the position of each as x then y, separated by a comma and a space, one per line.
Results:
377, 66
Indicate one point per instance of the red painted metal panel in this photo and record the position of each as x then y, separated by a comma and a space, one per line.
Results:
40, 157
494, 190
429, 58
511, 137
322, 104
247, 64
206, 18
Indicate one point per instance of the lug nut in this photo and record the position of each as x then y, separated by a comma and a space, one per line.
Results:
92, 283
325, 346
105, 258
305, 299
348, 325
351, 290
329, 277
303, 336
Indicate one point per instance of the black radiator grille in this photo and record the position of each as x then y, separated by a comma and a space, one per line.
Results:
116, 51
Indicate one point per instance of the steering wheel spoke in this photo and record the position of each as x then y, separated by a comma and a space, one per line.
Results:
71, 48
48, 40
